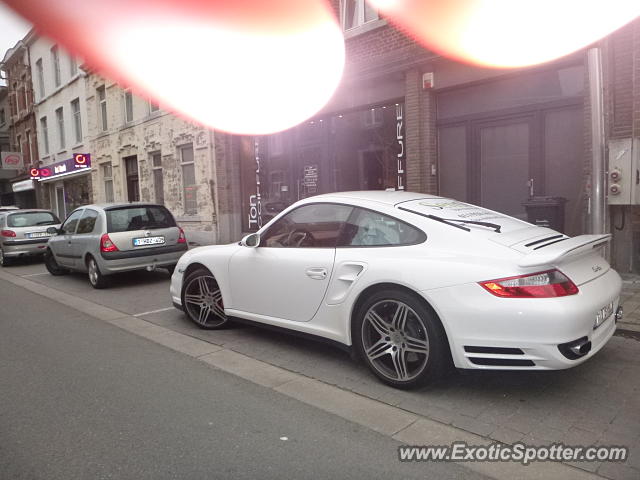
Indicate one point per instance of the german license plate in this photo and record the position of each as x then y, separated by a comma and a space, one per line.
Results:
148, 241
602, 315
37, 234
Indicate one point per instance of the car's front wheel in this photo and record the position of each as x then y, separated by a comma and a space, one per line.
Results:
202, 300
96, 278
400, 339
52, 266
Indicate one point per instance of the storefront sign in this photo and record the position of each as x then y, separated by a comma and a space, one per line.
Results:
78, 163
401, 154
255, 199
310, 180
22, 186
11, 160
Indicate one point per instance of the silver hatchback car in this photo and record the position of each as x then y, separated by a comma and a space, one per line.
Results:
106, 239
23, 233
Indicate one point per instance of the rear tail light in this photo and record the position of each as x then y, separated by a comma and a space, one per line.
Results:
8, 233
106, 245
182, 238
552, 283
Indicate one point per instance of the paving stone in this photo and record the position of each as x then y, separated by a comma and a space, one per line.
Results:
472, 425
618, 471
506, 435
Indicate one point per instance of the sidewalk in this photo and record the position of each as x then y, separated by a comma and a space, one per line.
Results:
630, 300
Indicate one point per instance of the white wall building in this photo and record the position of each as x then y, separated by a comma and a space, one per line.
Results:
61, 123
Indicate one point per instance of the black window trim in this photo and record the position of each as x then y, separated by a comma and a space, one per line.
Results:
354, 209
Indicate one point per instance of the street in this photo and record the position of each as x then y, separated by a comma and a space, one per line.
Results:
81, 398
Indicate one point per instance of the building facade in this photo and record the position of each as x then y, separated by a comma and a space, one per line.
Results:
16, 186
140, 152
60, 115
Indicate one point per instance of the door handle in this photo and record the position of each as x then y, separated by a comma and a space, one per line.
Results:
317, 273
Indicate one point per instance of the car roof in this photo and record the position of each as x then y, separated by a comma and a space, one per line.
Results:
28, 210
388, 197
110, 206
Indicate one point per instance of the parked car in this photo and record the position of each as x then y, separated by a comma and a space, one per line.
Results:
106, 239
23, 233
411, 282
6, 208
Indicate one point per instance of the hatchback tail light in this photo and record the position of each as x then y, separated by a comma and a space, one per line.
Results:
182, 238
8, 233
551, 283
106, 245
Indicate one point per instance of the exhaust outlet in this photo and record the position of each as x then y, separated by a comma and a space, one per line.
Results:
150, 268
575, 349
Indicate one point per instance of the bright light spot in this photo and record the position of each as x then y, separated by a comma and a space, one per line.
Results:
508, 33
235, 81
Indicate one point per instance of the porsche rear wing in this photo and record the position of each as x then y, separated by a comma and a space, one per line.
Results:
552, 253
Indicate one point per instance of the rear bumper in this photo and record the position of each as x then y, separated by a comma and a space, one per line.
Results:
19, 248
487, 332
147, 258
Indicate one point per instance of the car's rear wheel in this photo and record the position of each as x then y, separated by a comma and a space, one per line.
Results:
202, 300
52, 266
96, 278
400, 339
4, 261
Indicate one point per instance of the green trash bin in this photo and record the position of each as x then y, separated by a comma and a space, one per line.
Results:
546, 212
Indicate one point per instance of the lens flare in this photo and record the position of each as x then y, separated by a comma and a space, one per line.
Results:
508, 33
247, 66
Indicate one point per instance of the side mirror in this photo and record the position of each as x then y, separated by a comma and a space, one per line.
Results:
252, 240
53, 230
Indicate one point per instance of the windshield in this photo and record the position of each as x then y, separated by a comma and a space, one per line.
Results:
453, 210
31, 219
126, 219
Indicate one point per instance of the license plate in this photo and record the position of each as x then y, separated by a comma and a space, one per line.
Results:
603, 314
148, 241
37, 235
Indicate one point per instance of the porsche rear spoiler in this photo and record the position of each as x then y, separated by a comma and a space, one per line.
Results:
572, 246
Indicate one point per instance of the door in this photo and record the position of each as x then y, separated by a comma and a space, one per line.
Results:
60, 207
506, 165
85, 238
61, 244
287, 275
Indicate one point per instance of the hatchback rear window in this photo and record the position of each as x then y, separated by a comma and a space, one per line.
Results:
31, 219
126, 219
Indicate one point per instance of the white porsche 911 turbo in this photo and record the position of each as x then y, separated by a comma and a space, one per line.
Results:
411, 282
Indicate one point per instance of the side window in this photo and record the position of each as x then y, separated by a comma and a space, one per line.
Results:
367, 228
313, 226
88, 221
70, 223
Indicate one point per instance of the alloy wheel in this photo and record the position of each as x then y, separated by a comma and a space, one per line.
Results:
203, 301
395, 340
93, 272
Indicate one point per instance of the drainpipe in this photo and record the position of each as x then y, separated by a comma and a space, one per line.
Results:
597, 200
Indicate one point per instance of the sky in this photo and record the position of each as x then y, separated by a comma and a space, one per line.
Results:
12, 28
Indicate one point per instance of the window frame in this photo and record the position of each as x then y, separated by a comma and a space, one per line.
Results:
105, 179
101, 97
181, 148
127, 103
55, 60
154, 170
44, 127
77, 120
40, 73
62, 141
360, 13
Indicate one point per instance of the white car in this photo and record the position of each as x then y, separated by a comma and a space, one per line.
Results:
411, 282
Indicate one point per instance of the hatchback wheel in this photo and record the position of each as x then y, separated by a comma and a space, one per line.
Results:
4, 261
96, 278
202, 300
51, 265
400, 339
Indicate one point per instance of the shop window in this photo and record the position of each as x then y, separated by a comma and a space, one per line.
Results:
356, 13
372, 117
133, 181
189, 180
158, 180
107, 176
